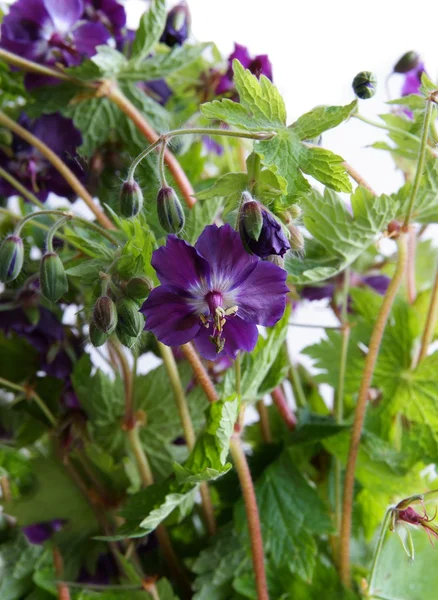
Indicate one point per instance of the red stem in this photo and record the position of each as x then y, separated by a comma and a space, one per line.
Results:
283, 408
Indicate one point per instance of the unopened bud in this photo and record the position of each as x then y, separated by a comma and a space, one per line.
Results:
131, 199
250, 217
296, 239
407, 62
124, 338
170, 211
177, 26
394, 228
138, 288
295, 211
97, 337
130, 321
53, 280
364, 85
105, 314
11, 258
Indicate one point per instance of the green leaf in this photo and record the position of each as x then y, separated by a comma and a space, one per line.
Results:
17, 561
326, 167
201, 215
95, 118
162, 64
322, 118
425, 207
229, 187
87, 271
19, 360
339, 237
150, 29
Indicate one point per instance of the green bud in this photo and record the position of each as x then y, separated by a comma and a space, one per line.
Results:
295, 211
169, 209
296, 239
124, 338
250, 217
97, 337
105, 314
407, 62
130, 321
364, 85
11, 258
131, 199
138, 288
53, 280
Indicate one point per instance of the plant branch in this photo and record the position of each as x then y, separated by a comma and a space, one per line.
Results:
359, 415
63, 591
63, 169
431, 320
32, 67
297, 387
283, 408
410, 266
200, 371
20, 188
28, 392
358, 177
265, 427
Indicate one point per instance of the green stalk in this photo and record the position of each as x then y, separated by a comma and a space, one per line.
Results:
20, 188
54, 228
382, 535
30, 393
297, 387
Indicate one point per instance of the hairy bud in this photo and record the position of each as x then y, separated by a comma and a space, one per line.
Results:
296, 239
364, 85
250, 217
407, 62
53, 280
130, 321
11, 258
131, 199
124, 338
295, 211
97, 337
105, 314
170, 211
138, 288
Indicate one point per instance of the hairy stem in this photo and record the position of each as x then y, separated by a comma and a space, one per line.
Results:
359, 415
297, 387
252, 515
410, 266
431, 320
187, 425
357, 177
265, 427
32, 67
63, 169
283, 408
200, 372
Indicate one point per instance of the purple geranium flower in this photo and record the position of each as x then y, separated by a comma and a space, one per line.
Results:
261, 232
51, 31
31, 168
41, 532
109, 13
259, 65
214, 294
412, 82
177, 27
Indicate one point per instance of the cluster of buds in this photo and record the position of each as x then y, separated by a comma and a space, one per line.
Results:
119, 315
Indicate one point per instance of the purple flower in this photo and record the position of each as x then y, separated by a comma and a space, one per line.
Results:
259, 65
261, 232
41, 532
412, 80
315, 293
157, 89
214, 293
177, 27
379, 283
109, 13
31, 168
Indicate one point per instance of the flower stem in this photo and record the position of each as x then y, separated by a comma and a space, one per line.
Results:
410, 266
29, 393
297, 387
187, 425
283, 408
357, 177
63, 169
238, 369
5, 489
17, 218
32, 67
117, 96
265, 427
162, 170
421, 160
252, 515
20, 188
382, 535
359, 415
54, 228
431, 320
200, 372
63, 591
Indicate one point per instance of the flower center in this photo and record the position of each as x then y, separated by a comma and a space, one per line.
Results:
217, 318
57, 41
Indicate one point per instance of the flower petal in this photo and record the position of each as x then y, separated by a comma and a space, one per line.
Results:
64, 13
229, 262
261, 298
179, 264
88, 36
238, 335
169, 317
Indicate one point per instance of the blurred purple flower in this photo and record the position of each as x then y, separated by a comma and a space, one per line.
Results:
412, 82
315, 293
41, 532
105, 569
109, 13
31, 168
157, 89
214, 294
177, 27
212, 146
259, 65
50, 32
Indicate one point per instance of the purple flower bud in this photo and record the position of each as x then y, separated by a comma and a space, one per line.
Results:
407, 62
105, 314
129, 320
131, 199
169, 209
138, 288
271, 238
177, 26
11, 258
53, 280
364, 85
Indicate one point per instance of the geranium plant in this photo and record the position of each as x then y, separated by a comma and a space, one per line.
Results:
161, 222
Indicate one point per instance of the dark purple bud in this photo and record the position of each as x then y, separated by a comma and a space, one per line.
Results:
364, 85
129, 320
53, 280
105, 314
271, 239
177, 26
11, 258
407, 62
169, 209
131, 199
138, 288
97, 337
